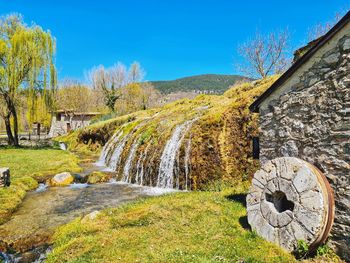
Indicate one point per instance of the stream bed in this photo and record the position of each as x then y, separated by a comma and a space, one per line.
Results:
27, 234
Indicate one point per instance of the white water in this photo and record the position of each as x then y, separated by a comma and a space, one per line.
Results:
115, 159
187, 158
108, 148
140, 169
167, 162
62, 146
129, 161
169, 170
41, 188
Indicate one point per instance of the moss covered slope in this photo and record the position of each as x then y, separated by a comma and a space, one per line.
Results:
219, 139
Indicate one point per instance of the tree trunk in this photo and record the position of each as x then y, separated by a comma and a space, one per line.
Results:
10, 139
15, 125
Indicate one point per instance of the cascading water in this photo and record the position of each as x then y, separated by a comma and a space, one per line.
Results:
128, 163
187, 159
140, 166
115, 158
108, 148
141, 169
167, 162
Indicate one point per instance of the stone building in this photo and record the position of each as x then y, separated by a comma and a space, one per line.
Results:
306, 114
64, 121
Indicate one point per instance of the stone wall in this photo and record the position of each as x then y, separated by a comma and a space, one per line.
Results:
60, 127
310, 119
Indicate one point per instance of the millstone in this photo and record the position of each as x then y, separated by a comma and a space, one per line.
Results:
290, 200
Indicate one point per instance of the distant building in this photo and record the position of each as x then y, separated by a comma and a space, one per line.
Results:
64, 121
306, 114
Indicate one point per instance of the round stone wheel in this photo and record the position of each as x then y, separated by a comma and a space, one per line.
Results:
290, 200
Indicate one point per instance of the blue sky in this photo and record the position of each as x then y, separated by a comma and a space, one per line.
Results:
170, 39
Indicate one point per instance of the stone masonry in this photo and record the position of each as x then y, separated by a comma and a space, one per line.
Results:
311, 120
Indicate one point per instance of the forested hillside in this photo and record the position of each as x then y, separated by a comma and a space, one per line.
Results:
208, 83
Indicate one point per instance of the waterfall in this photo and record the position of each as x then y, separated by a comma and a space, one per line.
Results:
140, 166
117, 151
102, 161
128, 163
167, 162
115, 158
187, 159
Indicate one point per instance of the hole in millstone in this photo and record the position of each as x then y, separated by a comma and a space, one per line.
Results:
280, 201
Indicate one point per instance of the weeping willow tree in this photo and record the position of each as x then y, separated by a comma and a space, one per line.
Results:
26, 64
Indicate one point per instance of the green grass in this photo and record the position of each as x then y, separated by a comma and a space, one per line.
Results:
181, 227
28, 166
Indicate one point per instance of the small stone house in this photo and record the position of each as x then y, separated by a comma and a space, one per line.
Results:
64, 121
306, 114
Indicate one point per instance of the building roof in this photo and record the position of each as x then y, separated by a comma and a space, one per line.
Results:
320, 43
78, 113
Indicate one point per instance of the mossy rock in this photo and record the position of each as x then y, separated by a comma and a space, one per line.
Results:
98, 177
62, 179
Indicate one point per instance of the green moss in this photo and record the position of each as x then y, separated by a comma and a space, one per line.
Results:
220, 136
27, 167
98, 177
183, 227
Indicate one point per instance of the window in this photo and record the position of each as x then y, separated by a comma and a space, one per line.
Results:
256, 148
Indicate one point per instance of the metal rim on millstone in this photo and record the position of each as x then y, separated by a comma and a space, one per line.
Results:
291, 200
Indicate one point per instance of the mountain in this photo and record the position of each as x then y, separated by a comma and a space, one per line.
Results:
208, 83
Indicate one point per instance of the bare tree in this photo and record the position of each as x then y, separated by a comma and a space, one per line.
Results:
265, 54
322, 28
102, 80
136, 73
118, 75
109, 81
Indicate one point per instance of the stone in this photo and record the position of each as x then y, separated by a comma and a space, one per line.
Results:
346, 45
304, 180
98, 177
288, 240
253, 198
5, 177
289, 149
332, 58
293, 204
61, 179
90, 217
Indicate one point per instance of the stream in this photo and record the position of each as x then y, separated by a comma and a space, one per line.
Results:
26, 236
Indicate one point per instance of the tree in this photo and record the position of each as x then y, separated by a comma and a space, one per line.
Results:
322, 28
26, 63
110, 81
135, 97
136, 73
265, 55
73, 96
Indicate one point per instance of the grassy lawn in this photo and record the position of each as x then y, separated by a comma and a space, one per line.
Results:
182, 227
27, 167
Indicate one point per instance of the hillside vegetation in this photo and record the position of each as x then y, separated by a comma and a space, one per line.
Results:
215, 150
208, 83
